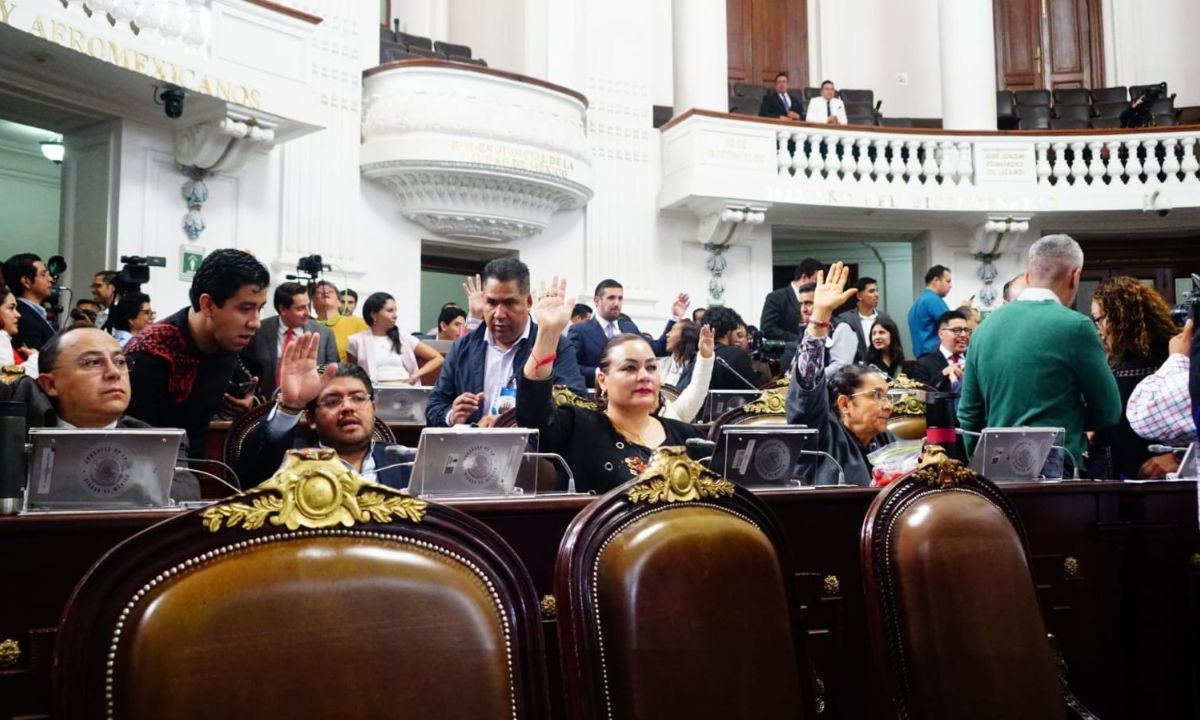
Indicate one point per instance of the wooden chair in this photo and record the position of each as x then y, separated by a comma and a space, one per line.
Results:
241, 428
676, 600
315, 595
953, 615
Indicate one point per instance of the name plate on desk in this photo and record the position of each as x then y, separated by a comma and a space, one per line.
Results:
461, 461
101, 469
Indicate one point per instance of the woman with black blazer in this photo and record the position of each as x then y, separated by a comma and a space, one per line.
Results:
603, 448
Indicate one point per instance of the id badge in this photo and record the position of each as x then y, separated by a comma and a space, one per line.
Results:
505, 400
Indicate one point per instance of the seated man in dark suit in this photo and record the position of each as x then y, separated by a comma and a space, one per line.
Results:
27, 278
85, 381
942, 369
781, 310
337, 408
778, 102
263, 354
479, 377
589, 337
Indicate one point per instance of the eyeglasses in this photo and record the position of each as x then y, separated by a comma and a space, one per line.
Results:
334, 402
99, 363
879, 396
148, 313
1097, 318
958, 330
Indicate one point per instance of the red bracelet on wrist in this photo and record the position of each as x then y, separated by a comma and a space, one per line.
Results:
545, 361
819, 324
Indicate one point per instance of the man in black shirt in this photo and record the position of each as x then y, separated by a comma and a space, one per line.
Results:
732, 361
180, 367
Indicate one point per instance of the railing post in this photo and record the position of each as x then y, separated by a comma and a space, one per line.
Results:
1190, 164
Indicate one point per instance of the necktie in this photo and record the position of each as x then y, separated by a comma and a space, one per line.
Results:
612, 330
287, 340
787, 103
956, 358
828, 108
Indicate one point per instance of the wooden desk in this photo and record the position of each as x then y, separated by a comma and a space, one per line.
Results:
1117, 567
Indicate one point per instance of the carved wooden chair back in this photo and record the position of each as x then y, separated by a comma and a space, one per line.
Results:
676, 599
953, 615
315, 595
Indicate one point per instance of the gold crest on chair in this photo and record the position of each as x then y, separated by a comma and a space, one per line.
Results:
673, 477
313, 490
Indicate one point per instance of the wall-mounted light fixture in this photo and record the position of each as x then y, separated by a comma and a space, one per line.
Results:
53, 150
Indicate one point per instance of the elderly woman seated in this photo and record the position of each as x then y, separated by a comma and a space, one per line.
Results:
852, 408
607, 447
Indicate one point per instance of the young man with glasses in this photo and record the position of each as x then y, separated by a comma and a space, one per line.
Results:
942, 369
334, 409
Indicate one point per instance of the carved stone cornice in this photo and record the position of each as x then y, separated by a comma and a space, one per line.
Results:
222, 145
474, 155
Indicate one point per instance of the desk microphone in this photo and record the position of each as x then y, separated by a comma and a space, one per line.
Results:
1074, 460
972, 433
218, 478
400, 451
841, 473
729, 367
704, 449
1160, 449
231, 471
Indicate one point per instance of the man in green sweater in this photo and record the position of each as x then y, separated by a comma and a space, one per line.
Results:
1037, 363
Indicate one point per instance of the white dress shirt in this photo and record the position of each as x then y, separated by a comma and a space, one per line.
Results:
1034, 294
867, 322
498, 365
819, 110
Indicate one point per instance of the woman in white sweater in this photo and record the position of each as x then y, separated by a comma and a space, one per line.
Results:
690, 401
389, 357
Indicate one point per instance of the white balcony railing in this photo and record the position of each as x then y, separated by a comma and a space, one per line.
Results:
724, 156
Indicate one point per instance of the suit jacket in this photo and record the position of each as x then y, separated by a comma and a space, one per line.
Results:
262, 354
850, 317
723, 379
33, 331
262, 455
39, 412
928, 369
781, 315
772, 105
588, 339
464, 368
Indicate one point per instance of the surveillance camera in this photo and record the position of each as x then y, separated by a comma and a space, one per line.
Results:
1158, 202
171, 98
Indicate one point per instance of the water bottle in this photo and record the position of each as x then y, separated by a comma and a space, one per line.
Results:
12, 456
941, 424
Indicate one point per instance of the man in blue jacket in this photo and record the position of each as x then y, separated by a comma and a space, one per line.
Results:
478, 379
589, 338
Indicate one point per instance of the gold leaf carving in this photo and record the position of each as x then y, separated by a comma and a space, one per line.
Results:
939, 471
564, 396
673, 477
549, 606
10, 653
909, 404
771, 402
313, 490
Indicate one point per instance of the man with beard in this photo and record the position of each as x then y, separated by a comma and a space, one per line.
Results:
333, 409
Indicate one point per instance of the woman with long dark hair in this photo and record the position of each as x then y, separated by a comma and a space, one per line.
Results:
388, 356
886, 352
683, 341
1135, 327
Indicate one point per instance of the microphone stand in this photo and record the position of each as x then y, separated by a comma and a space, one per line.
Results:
841, 472
721, 361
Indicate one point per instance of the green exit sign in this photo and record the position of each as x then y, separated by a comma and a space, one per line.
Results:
190, 257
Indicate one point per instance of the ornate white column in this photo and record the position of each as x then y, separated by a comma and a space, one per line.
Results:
700, 59
968, 55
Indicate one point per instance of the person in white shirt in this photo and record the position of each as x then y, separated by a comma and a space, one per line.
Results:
386, 355
827, 108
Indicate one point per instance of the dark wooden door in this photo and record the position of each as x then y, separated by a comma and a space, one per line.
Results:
766, 37
1048, 44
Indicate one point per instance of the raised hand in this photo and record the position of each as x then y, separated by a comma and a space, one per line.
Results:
706, 341
681, 305
476, 301
1182, 343
299, 383
831, 292
551, 308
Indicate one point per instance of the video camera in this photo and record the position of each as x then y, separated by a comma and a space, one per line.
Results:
134, 272
56, 265
1141, 112
763, 349
1189, 307
309, 268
